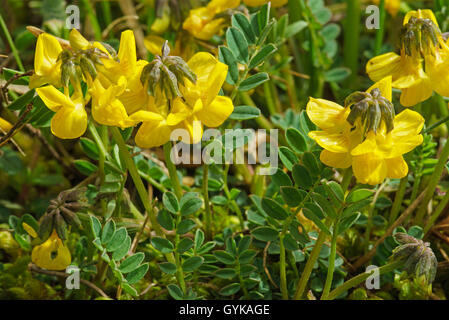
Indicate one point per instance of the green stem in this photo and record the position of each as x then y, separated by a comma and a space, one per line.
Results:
282, 267
106, 8
179, 270
206, 201
331, 267
93, 19
14, 50
351, 38
172, 170
436, 124
436, 213
434, 178
396, 207
360, 278
130, 165
309, 266
380, 31
228, 195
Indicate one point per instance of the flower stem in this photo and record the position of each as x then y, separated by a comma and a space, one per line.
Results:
14, 50
434, 178
360, 278
228, 195
206, 201
138, 184
351, 38
380, 31
331, 267
282, 267
398, 200
172, 170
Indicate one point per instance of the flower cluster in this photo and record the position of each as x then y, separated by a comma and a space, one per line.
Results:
421, 66
119, 90
365, 134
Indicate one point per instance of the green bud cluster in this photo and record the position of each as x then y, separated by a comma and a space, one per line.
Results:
371, 108
81, 63
419, 36
60, 213
418, 258
165, 73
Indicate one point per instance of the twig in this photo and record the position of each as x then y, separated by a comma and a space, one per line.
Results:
265, 265
32, 267
17, 126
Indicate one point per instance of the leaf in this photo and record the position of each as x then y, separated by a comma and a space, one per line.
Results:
175, 292
358, 195
192, 263
170, 202
288, 157
311, 163
240, 21
301, 176
199, 239
237, 44
22, 101
123, 250
330, 31
185, 226
347, 223
295, 28
117, 239
244, 244
132, 262
311, 216
226, 273
262, 55
230, 289
337, 74
165, 220
241, 113
85, 167
108, 232
184, 245
265, 234
280, 178
161, 244
224, 257
334, 190
137, 274
129, 289
273, 209
90, 148
190, 205
227, 57
296, 140
168, 267
247, 256
292, 196
253, 81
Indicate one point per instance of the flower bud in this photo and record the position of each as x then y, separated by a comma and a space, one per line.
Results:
417, 256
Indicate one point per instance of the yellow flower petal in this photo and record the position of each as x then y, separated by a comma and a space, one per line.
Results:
214, 114
397, 168
52, 254
387, 64
324, 113
127, 52
420, 14
336, 160
369, 168
153, 134
29, 230
335, 142
178, 113
154, 44
47, 68
144, 116
77, 41
384, 86
69, 123
54, 99
419, 92
195, 129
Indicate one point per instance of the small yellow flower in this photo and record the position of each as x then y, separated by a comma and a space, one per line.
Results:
52, 254
392, 6
70, 120
420, 68
258, 3
201, 23
375, 154
200, 102
47, 67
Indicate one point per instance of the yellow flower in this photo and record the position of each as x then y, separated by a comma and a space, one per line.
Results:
154, 44
70, 120
375, 154
201, 23
257, 3
416, 71
200, 102
47, 68
52, 254
392, 6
